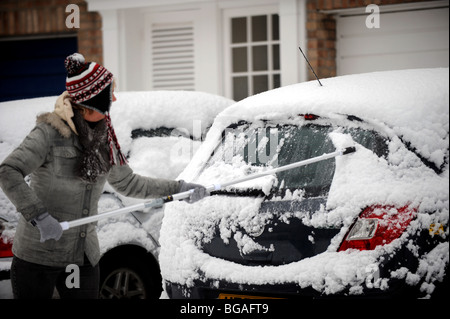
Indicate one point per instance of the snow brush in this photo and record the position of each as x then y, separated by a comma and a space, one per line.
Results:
159, 202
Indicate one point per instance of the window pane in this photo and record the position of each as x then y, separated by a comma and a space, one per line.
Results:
259, 28
260, 83
259, 58
276, 56
238, 30
303, 143
276, 81
240, 59
240, 88
275, 27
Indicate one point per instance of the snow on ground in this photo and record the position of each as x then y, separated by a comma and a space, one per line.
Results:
412, 104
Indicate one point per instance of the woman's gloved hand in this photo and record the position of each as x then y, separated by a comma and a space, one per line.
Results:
199, 191
48, 226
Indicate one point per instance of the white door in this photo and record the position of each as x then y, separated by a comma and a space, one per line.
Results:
404, 40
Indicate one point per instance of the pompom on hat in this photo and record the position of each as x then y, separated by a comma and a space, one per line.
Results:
89, 84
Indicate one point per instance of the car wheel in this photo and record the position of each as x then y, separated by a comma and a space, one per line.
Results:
123, 283
129, 276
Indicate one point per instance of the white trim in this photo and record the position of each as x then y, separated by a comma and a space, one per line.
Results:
227, 15
111, 43
391, 8
294, 68
254, 4
99, 5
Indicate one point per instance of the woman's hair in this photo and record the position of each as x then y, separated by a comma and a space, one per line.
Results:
82, 109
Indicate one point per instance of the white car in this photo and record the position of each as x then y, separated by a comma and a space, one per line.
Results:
159, 131
370, 223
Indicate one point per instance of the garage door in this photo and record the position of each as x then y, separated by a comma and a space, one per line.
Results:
34, 67
405, 39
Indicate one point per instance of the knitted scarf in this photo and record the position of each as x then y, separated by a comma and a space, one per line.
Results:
98, 142
113, 139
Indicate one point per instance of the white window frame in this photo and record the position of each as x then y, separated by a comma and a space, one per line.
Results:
228, 14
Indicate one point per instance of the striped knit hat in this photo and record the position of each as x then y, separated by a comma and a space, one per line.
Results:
89, 84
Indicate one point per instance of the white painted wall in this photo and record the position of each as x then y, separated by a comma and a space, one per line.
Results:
127, 28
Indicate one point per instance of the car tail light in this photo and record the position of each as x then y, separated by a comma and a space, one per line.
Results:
5, 249
5, 245
310, 117
377, 225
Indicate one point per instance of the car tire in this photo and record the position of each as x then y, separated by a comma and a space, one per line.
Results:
129, 274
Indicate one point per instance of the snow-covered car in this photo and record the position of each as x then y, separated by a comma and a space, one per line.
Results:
370, 223
159, 131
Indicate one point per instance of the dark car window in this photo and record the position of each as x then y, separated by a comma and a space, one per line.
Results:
158, 132
370, 140
303, 143
262, 144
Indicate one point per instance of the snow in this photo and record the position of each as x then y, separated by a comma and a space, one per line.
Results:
412, 104
17, 119
190, 112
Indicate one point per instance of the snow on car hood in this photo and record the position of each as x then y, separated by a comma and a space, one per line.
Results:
411, 103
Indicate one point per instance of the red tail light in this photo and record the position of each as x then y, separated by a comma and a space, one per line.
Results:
309, 117
378, 225
5, 245
5, 249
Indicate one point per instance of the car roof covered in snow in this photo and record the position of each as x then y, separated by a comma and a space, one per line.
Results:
191, 111
414, 103
171, 109
132, 110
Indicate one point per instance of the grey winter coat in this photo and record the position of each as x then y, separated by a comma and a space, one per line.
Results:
50, 154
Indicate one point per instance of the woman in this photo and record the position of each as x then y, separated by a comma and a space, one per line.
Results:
70, 154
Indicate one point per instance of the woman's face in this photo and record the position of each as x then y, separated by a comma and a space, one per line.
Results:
94, 116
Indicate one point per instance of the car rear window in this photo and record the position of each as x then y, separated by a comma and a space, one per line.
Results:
264, 144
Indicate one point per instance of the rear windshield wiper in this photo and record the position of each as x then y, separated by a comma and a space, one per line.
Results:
240, 192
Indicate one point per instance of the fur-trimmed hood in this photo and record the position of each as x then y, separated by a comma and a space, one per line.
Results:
61, 118
56, 122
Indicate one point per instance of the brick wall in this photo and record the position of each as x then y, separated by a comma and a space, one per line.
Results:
48, 17
321, 32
